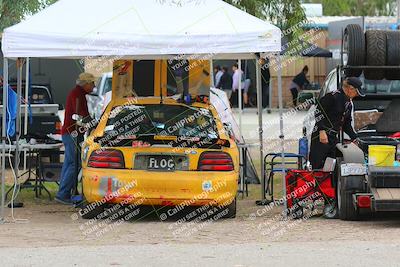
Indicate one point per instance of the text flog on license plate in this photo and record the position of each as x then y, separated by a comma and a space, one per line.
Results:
353, 169
161, 163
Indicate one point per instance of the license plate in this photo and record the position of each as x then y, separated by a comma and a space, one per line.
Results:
353, 169
161, 163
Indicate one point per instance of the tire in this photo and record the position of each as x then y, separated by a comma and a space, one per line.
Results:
87, 212
392, 54
298, 213
346, 209
376, 54
354, 49
231, 210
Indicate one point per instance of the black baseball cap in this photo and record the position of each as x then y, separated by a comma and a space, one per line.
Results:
356, 83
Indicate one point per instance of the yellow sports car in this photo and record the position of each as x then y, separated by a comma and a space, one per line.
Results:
161, 152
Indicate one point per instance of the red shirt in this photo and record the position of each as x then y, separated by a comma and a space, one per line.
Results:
76, 99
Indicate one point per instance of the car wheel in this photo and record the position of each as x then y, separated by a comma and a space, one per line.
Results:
392, 54
91, 211
376, 54
231, 210
346, 208
353, 49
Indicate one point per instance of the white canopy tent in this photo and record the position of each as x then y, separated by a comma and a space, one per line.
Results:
138, 29
76, 28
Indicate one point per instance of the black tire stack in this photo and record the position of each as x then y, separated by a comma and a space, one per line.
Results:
354, 45
393, 54
374, 48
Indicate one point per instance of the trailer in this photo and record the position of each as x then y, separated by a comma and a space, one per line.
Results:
363, 186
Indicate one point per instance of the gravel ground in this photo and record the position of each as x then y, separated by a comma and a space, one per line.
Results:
48, 234
247, 240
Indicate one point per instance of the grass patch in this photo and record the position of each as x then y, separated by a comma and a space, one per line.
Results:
28, 194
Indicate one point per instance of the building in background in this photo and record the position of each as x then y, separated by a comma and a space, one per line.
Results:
59, 74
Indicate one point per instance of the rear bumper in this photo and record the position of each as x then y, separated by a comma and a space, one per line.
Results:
377, 204
386, 205
139, 187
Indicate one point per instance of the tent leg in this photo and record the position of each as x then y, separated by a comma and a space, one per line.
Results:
270, 94
240, 96
212, 73
3, 141
27, 82
282, 136
18, 118
260, 127
241, 156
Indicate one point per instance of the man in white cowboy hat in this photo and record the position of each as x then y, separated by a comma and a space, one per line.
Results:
76, 104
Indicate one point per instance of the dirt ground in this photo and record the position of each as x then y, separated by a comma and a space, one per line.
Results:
46, 233
50, 224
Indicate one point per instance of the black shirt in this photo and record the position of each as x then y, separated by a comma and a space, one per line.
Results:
334, 112
265, 76
225, 82
301, 79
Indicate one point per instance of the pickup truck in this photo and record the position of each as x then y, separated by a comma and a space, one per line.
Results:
44, 112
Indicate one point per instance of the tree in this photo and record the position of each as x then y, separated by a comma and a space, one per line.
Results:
13, 11
286, 14
357, 7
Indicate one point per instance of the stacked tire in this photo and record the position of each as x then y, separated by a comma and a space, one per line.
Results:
354, 47
374, 48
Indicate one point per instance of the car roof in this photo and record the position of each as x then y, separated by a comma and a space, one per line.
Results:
154, 101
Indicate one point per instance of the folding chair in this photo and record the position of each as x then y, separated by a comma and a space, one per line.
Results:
273, 164
50, 171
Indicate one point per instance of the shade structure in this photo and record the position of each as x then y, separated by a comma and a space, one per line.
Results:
139, 29
81, 28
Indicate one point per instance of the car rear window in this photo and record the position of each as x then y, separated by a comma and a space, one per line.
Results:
38, 94
165, 120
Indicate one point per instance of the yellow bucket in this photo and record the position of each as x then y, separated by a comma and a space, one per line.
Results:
380, 155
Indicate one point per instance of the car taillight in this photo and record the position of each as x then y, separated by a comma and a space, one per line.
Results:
215, 161
58, 128
106, 159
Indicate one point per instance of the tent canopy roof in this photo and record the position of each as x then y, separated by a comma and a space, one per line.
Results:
131, 28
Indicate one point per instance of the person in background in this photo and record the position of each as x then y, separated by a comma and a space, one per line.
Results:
298, 83
225, 83
76, 104
265, 77
237, 76
11, 114
217, 74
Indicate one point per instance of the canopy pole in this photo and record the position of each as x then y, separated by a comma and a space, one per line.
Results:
27, 82
260, 127
20, 65
241, 156
212, 73
240, 96
282, 136
3, 140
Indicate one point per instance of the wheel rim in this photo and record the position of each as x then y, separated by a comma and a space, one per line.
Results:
345, 50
